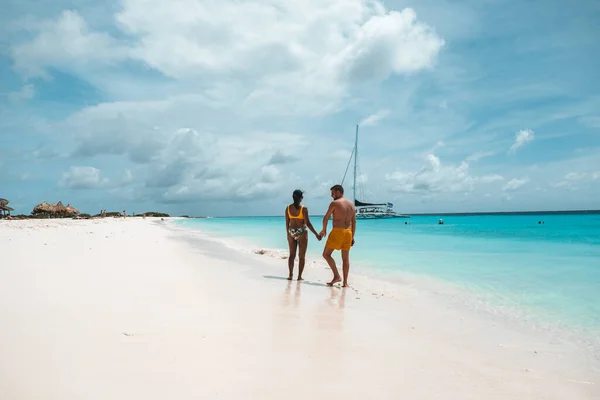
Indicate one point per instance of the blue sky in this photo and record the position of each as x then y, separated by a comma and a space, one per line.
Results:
225, 107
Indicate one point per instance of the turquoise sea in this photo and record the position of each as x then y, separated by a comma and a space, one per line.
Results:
549, 272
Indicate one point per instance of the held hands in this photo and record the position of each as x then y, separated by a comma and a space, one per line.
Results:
322, 234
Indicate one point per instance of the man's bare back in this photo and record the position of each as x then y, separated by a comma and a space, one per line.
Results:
343, 213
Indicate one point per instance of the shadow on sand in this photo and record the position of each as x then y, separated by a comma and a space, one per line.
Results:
316, 284
282, 278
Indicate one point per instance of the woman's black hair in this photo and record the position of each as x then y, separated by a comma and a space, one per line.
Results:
297, 196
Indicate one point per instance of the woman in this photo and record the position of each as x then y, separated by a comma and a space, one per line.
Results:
296, 222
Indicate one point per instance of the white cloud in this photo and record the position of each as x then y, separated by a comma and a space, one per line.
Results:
269, 174
128, 176
515, 184
573, 180
280, 158
491, 178
575, 176
480, 155
66, 43
521, 139
82, 178
374, 119
187, 165
25, 93
341, 155
281, 57
433, 177
591, 121
25, 176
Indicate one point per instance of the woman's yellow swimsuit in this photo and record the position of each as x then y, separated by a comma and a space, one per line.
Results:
296, 232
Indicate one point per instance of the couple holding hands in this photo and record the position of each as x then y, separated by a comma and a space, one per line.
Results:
297, 223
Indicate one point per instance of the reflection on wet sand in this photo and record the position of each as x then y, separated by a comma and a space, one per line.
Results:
337, 297
287, 299
330, 316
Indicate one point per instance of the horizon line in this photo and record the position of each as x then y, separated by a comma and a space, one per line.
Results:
540, 212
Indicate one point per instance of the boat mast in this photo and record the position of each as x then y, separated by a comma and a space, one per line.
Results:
355, 156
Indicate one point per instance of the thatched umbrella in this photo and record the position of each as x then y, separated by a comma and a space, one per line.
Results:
5, 209
71, 210
58, 208
3, 202
44, 208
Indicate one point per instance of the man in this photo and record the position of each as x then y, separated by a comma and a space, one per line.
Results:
342, 234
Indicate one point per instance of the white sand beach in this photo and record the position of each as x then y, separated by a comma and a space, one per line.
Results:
137, 309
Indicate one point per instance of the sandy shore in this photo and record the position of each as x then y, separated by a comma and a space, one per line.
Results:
135, 309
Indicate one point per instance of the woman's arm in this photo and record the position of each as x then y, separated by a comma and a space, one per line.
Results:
310, 226
287, 221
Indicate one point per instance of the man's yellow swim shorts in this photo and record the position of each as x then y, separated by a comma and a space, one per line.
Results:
339, 239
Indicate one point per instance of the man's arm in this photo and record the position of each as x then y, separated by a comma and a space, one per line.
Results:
326, 219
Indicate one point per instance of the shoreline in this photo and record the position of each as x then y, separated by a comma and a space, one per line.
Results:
144, 308
459, 294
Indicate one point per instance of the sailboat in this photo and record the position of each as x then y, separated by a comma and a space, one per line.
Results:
366, 210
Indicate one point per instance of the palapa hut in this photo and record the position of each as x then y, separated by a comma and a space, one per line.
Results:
55, 210
4, 208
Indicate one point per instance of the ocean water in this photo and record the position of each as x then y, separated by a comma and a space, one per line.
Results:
549, 272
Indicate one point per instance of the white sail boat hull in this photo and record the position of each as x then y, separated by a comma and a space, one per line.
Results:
377, 211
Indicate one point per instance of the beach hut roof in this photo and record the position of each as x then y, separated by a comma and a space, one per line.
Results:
71, 210
45, 207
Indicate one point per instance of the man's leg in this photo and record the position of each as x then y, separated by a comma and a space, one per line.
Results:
327, 256
345, 265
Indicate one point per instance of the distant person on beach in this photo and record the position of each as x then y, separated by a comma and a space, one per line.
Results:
296, 224
342, 234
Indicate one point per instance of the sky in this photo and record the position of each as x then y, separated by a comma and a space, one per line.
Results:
206, 107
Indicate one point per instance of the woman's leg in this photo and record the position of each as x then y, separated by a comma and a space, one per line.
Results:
293, 244
303, 244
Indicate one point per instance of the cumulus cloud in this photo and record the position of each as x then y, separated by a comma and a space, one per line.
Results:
521, 139
188, 165
280, 56
491, 178
66, 43
374, 119
201, 63
433, 177
573, 180
437, 177
480, 155
82, 178
280, 158
515, 184
25, 93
